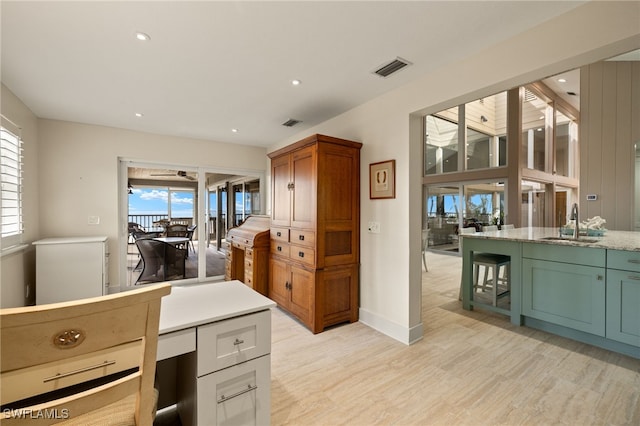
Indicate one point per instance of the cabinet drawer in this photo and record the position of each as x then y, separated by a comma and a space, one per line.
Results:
303, 238
279, 248
248, 263
240, 244
240, 395
226, 343
303, 255
565, 254
248, 278
238, 241
280, 234
176, 343
624, 260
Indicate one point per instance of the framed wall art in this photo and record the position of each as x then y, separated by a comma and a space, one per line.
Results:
382, 179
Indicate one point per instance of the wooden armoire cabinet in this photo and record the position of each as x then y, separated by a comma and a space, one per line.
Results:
315, 230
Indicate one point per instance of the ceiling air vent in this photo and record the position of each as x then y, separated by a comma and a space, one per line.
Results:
291, 122
393, 66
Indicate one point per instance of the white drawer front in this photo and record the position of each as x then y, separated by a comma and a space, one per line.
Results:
226, 343
240, 395
176, 343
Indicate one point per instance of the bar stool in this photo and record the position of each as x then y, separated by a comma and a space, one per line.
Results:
498, 286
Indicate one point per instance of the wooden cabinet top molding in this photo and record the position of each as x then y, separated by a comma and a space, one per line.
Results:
310, 140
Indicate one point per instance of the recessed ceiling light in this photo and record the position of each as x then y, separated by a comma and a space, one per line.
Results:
562, 80
139, 114
234, 130
296, 82
142, 36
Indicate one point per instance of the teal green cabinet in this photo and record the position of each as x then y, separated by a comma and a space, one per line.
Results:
565, 294
623, 297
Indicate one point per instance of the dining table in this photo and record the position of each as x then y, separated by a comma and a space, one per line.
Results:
180, 242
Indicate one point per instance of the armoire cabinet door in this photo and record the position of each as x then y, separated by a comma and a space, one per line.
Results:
302, 292
279, 278
303, 201
281, 187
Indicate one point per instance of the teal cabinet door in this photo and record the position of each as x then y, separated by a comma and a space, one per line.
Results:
565, 294
623, 306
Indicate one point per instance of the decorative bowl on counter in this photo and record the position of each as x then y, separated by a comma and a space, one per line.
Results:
588, 232
596, 232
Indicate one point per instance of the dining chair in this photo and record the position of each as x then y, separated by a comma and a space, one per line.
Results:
160, 261
190, 231
84, 362
176, 230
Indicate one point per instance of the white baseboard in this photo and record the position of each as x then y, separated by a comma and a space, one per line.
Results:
400, 333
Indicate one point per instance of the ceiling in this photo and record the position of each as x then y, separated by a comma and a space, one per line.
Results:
211, 66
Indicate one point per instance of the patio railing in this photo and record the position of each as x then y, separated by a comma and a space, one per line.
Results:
147, 220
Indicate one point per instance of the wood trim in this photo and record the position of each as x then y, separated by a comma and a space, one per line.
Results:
310, 140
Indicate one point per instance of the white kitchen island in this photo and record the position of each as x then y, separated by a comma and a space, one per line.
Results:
220, 336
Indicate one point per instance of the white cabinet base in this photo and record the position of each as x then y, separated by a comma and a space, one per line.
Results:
238, 395
71, 268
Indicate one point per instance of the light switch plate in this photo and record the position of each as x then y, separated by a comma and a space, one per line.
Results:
94, 220
374, 227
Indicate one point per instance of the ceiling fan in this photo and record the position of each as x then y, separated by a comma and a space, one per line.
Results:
179, 173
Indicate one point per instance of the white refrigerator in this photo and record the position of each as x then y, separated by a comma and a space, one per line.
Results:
71, 268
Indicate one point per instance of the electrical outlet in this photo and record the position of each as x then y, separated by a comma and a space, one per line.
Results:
374, 227
94, 220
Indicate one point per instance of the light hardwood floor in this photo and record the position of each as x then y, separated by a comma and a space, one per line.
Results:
471, 368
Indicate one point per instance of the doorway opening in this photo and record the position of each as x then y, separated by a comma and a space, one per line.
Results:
186, 213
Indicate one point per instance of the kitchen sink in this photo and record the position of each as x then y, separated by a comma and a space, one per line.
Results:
571, 240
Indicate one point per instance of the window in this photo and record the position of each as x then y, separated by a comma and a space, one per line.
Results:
478, 129
11, 226
441, 139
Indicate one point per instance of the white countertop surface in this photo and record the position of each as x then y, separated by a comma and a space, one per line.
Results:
193, 305
612, 240
70, 240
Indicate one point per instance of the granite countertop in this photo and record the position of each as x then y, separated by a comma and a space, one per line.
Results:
612, 240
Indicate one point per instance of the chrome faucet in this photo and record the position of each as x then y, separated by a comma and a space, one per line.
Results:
576, 218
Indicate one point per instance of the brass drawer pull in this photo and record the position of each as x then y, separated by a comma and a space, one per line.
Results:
301, 237
226, 398
279, 248
634, 277
636, 261
279, 234
300, 254
238, 342
78, 371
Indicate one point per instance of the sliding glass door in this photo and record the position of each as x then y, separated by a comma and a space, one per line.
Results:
185, 208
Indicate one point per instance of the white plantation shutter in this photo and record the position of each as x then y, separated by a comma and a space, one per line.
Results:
10, 185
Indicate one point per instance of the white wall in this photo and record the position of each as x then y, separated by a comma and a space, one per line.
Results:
389, 128
17, 268
79, 173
